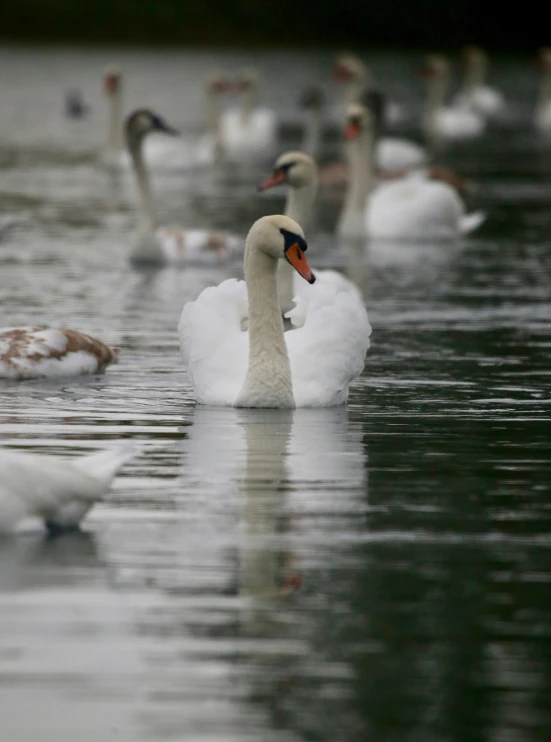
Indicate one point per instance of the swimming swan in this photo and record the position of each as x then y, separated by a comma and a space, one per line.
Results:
312, 366
409, 209
474, 92
167, 245
298, 170
441, 121
249, 130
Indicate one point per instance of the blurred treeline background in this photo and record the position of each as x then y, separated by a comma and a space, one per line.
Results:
359, 23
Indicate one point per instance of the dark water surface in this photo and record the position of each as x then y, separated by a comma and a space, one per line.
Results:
381, 572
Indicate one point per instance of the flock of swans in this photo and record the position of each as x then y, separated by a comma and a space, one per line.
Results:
287, 336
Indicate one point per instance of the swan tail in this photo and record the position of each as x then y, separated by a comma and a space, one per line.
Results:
104, 465
470, 222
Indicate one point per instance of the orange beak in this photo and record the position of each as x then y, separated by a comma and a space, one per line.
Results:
297, 259
274, 180
352, 130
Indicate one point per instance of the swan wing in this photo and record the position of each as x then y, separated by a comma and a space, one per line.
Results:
414, 208
328, 352
214, 348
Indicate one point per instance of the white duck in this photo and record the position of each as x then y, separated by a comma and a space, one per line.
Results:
167, 245
475, 94
299, 172
542, 113
441, 121
34, 352
250, 130
410, 209
59, 491
391, 153
312, 366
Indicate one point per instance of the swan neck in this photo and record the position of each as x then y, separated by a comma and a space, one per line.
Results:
474, 77
360, 162
268, 382
147, 215
354, 90
248, 103
436, 94
299, 206
114, 123
213, 113
311, 140
545, 88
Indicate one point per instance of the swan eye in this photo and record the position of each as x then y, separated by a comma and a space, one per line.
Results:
293, 240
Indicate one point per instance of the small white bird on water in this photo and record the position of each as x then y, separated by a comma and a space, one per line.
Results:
59, 491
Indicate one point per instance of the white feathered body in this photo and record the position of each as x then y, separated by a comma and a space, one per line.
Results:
180, 247
59, 491
456, 122
326, 352
414, 208
482, 99
255, 134
393, 153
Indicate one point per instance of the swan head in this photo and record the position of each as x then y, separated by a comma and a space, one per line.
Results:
297, 169
436, 66
312, 98
143, 122
217, 83
544, 58
474, 57
350, 68
359, 120
112, 79
281, 237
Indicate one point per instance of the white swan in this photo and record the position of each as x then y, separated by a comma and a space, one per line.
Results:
250, 130
312, 366
161, 153
299, 172
441, 121
163, 245
391, 153
409, 209
34, 352
474, 93
312, 102
59, 491
210, 146
114, 156
542, 113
